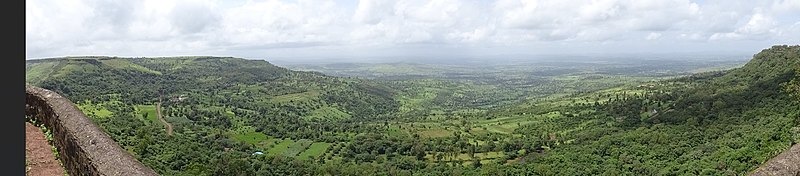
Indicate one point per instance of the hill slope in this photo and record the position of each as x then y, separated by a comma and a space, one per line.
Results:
219, 107
242, 82
717, 123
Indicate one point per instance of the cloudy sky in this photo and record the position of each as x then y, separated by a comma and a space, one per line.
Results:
378, 28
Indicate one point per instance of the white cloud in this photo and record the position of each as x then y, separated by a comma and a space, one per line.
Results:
786, 6
758, 26
194, 17
373, 11
259, 27
653, 36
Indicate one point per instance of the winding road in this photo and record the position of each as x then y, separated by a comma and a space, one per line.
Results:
161, 118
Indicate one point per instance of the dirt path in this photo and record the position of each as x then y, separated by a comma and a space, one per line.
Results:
161, 118
39, 157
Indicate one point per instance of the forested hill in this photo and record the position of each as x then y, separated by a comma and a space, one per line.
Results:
714, 123
249, 84
773, 64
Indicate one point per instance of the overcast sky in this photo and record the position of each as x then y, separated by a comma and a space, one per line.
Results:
377, 28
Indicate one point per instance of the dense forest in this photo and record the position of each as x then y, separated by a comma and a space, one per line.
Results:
246, 117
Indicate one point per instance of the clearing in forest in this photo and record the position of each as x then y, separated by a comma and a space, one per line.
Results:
297, 147
153, 114
315, 150
94, 109
148, 112
249, 135
281, 147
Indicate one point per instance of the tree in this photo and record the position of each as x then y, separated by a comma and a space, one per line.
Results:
476, 163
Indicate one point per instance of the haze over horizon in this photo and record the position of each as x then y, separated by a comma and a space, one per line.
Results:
307, 30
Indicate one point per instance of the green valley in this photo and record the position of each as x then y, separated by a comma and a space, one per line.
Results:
235, 116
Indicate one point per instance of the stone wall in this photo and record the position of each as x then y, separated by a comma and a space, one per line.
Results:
786, 163
83, 147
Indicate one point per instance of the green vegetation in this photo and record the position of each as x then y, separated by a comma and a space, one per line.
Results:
315, 150
280, 147
148, 112
124, 64
434, 133
297, 147
618, 117
40, 72
97, 110
250, 136
326, 113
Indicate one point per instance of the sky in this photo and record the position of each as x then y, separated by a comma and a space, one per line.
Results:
313, 29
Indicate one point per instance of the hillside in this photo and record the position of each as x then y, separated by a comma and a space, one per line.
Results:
717, 123
225, 110
215, 104
143, 80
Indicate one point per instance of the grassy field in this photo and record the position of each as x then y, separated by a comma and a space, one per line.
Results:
296, 97
127, 65
328, 113
434, 133
280, 148
92, 109
394, 130
505, 129
249, 135
465, 156
315, 150
39, 71
267, 144
297, 147
149, 111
